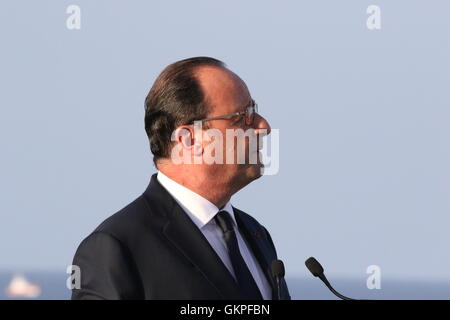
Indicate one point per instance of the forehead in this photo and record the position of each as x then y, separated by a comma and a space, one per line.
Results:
225, 91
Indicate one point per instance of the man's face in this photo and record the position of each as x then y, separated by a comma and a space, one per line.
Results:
226, 93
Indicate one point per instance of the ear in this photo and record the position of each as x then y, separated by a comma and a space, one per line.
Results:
185, 136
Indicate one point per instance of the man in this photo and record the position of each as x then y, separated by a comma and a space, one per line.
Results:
182, 239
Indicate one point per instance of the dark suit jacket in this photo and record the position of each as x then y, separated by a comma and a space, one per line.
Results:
151, 249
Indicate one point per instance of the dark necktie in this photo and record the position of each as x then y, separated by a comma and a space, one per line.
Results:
244, 278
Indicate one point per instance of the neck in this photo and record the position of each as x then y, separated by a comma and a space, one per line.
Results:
215, 190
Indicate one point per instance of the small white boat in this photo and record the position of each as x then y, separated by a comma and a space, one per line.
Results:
20, 287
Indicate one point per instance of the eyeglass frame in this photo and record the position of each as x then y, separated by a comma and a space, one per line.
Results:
253, 106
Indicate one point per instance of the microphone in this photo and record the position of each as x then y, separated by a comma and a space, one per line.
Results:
278, 273
317, 270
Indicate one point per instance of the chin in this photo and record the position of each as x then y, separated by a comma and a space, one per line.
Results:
247, 175
254, 171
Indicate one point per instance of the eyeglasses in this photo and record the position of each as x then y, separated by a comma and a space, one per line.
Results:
248, 113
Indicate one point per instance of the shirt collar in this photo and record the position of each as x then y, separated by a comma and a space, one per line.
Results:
199, 209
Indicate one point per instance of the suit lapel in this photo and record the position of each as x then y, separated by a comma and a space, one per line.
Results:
186, 236
254, 236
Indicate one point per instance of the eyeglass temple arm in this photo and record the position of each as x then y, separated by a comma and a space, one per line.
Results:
222, 117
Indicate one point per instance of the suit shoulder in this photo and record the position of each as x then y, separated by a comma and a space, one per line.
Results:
127, 221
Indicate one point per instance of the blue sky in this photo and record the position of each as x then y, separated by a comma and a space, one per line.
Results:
363, 117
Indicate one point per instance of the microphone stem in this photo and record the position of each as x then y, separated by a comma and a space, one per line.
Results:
325, 280
278, 288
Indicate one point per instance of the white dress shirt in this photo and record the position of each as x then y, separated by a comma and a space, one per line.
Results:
202, 212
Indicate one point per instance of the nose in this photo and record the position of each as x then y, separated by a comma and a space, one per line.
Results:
261, 125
